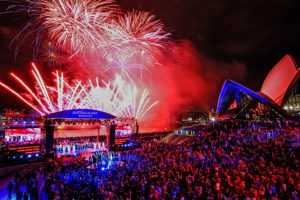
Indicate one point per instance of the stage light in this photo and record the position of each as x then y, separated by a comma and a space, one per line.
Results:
32, 122
36, 155
21, 156
24, 122
102, 168
29, 156
16, 122
213, 119
14, 157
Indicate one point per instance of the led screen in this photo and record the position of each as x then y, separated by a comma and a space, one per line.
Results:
22, 136
123, 131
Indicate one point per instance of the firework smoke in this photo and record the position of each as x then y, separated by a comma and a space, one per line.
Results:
187, 79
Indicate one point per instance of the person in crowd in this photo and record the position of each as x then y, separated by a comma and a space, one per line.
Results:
10, 189
19, 195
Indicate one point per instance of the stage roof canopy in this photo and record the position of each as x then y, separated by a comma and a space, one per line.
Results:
80, 114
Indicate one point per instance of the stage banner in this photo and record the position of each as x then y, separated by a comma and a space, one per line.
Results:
80, 114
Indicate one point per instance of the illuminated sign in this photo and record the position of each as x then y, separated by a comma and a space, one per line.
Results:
80, 114
184, 132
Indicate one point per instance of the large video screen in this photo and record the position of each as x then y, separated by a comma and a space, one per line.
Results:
123, 131
23, 136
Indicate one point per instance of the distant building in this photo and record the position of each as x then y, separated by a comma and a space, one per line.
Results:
192, 117
279, 96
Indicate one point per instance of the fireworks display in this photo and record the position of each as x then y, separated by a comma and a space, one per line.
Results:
77, 25
138, 37
123, 45
85, 28
117, 97
120, 62
142, 30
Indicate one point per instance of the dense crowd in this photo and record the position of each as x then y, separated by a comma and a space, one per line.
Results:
232, 160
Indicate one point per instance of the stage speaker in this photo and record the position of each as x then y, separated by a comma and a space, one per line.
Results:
112, 135
49, 136
137, 129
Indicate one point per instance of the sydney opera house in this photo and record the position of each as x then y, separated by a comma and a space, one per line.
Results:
278, 98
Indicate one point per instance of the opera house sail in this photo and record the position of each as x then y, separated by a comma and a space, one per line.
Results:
279, 96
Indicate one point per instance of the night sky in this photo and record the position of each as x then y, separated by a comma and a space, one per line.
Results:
257, 33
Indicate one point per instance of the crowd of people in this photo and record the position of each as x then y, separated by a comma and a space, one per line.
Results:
232, 160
